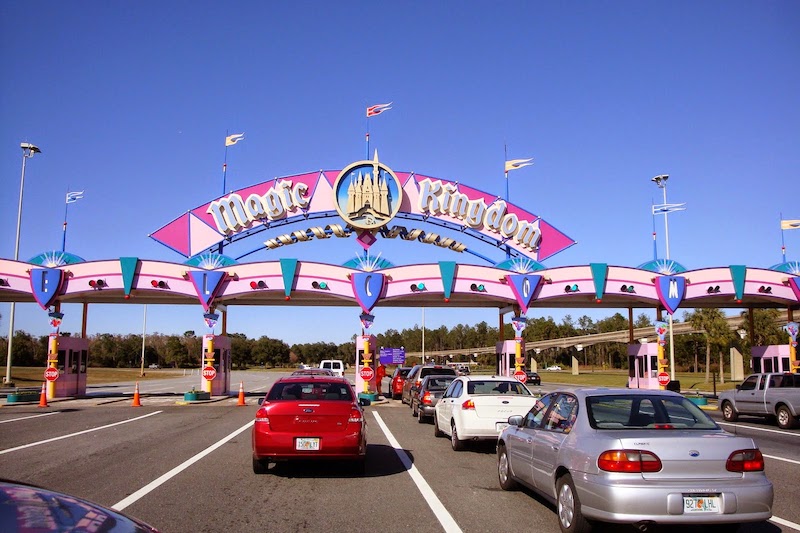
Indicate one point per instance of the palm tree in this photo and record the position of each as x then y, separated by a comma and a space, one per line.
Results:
715, 328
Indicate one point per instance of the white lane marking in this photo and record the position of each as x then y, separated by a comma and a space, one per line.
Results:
27, 417
9, 450
125, 502
785, 523
781, 459
439, 510
779, 432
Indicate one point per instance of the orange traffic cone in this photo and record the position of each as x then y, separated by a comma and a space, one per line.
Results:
241, 394
136, 402
43, 396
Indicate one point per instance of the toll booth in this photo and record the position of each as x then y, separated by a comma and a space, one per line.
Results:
506, 352
773, 358
643, 366
373, 356
221, 384
73, 358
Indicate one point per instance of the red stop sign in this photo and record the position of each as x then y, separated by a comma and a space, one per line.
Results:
521, 376
51, 374
209, 372
663, 379
366, 373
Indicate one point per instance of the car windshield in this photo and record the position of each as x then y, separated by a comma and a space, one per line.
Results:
312, 390
646, 412
403, 372
494, 387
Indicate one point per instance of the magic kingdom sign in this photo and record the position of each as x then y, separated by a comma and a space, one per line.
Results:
368, 197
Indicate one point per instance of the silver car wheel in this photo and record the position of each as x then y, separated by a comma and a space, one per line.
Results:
566, 506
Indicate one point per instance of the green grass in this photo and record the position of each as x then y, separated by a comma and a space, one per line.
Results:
34, 376
618, 378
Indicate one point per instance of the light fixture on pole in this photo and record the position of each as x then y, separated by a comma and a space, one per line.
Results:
665, 209
28, 150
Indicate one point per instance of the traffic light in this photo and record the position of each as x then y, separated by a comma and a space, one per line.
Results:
628, 288
159, 284
97, 284
258, 284
477, 287
320, 285
765, 290
571, 288
416, 287
713, 289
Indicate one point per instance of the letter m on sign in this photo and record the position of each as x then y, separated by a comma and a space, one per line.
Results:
671, 290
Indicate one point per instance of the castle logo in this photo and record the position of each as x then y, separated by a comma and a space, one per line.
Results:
368, 194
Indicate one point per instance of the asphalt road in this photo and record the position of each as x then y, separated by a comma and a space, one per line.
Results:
187, 468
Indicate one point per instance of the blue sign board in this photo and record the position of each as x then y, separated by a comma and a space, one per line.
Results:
393, 356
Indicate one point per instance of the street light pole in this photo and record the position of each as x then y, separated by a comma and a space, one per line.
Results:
665, 209
28, 150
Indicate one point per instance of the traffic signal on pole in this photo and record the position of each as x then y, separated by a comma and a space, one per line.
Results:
320, 285
97, 283
416, 287
258, 285
628, 289
571, 288
477, 287
159, 284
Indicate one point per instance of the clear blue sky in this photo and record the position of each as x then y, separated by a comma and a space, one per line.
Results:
131, 101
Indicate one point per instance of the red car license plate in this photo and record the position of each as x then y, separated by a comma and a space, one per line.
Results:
306, 444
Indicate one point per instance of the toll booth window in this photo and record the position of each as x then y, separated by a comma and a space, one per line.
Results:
84, 360
653, 366
73, 359
767, 361
757, 365
785, 362
62, 359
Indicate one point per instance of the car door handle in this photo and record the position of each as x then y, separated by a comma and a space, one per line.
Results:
529, 440
555, 448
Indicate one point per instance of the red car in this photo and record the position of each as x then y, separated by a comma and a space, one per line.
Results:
398, 378
310, 417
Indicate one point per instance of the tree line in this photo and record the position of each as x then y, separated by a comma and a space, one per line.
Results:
693, 352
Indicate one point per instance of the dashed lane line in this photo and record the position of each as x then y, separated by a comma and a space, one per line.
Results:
125, 502
27, 417
37, 443
439, 510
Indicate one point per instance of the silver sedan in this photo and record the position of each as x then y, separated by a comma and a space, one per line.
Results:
639, 457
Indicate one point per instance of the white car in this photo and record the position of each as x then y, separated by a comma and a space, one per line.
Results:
478, 407
334, 365
553, 368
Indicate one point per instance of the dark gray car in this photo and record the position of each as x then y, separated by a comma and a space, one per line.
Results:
424, 398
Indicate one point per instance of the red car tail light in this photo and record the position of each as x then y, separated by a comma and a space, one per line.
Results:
469, 404
745, 461
426, 398
261, 416
355, 416
630, 461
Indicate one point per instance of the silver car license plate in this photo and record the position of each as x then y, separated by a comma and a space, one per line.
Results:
701, 504
307, 444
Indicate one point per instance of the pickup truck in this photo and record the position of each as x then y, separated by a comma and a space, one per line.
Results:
774, 396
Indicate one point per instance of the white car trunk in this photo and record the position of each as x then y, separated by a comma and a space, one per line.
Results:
502, 406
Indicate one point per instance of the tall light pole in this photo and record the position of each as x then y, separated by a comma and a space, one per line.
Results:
28, 150
665, 209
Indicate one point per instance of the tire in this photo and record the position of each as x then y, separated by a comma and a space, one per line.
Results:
436, 431
420, 418
785, 419
504, 470
568, 506
414, 411
729, 412
260, 466
455, 443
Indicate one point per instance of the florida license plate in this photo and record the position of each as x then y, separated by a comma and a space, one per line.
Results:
701, 504
306, 444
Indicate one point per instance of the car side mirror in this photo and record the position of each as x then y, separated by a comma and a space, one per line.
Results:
738, 387
515, 420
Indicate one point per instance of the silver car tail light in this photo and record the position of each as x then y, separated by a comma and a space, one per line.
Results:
629, 461
745, 461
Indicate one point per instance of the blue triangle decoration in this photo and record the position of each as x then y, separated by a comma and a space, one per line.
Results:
671, 290
367, 288
524, 286
128, 266
288, 269
447, 269
46, 284
738, 273
599, 273
207, 283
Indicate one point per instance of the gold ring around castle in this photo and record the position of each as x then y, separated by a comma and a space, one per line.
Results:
368, 194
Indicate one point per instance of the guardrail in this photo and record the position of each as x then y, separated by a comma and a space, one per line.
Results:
678, 328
